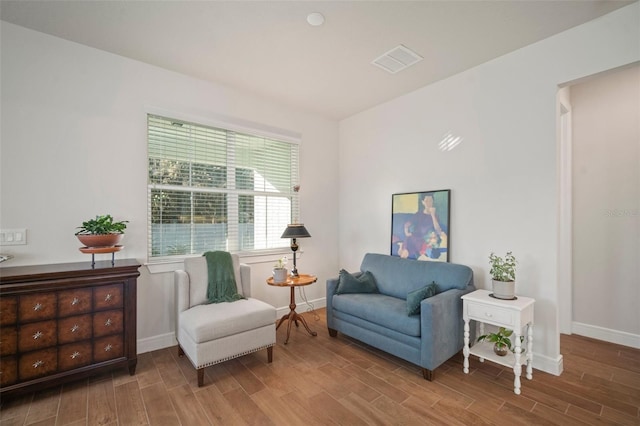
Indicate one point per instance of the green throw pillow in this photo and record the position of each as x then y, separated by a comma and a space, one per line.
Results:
348, 283
415, 297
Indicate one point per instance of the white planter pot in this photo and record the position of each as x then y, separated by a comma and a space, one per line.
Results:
504, 289
279, 275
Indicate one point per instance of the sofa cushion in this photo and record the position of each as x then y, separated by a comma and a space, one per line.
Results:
415, 297
349, 283
386, 311
209, 322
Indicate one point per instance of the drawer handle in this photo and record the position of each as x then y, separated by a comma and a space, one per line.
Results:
37, 335
108, 322
108, 297
75, 301
108, 348
37, 307
488, 315
38, 363
75, 355
75, 328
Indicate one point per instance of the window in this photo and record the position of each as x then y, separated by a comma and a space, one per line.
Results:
217, 189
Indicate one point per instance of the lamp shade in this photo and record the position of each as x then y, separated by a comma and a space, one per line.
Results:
295, 230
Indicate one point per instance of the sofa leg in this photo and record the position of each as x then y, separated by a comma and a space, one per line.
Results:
180, 351
427, 374
332, 332
200, 377
270, 354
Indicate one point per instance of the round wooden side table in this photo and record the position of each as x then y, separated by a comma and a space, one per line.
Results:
293, 316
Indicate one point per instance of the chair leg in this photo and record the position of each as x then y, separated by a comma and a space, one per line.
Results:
270, 354
332, 332
200, 377
427, 374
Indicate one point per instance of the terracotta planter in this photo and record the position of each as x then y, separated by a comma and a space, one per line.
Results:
100, 240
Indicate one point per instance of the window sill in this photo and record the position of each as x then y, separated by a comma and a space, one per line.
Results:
161, 267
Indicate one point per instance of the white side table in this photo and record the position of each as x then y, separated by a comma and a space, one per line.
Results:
510, 314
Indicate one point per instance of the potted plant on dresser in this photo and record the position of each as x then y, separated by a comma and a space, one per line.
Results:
503, 274
101, 232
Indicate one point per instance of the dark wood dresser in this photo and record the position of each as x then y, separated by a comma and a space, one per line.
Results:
66, 321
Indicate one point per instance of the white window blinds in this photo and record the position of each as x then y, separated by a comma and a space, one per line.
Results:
216, 189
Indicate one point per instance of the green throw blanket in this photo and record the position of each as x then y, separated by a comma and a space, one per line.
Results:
222, 283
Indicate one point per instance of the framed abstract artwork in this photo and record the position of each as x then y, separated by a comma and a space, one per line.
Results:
420, 225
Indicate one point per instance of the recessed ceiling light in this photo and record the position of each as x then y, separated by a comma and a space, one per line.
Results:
315, 19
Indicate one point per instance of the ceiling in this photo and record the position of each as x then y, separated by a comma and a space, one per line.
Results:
268, 49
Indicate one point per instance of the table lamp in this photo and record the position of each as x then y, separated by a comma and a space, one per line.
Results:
293, 231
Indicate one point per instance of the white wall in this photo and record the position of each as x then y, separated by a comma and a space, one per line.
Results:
503, 175
73, 145
606, 206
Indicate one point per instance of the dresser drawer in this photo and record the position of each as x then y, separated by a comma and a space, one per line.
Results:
486, 313
8, 310
74, 355
107, 297
74, 302
8, 371
74, 329
107, 348
37, 307
38, 363
8, 340
37, 335
107, 322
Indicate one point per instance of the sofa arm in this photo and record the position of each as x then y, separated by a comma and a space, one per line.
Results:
332, 284
442, 327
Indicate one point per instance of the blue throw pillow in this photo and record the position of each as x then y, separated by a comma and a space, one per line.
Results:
415, 297
348, 283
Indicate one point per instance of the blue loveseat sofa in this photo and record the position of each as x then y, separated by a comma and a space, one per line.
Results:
380, 319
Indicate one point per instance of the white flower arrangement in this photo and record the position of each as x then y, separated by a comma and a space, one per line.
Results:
281, 263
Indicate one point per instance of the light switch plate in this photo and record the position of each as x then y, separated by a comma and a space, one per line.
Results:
13, 237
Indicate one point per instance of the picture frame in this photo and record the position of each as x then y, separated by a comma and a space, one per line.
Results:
420, 225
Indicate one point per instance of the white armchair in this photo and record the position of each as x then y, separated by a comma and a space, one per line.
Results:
212, 333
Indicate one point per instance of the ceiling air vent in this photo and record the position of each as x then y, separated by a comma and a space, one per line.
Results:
397, 59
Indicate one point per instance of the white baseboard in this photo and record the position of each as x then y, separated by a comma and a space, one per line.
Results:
167, 340
608, 335
154, 343
547, 364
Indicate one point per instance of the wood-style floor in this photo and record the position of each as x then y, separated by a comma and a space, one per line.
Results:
328, 381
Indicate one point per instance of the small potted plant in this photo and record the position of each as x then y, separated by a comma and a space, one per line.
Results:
101, 232
501, 341
279, 270
503, 274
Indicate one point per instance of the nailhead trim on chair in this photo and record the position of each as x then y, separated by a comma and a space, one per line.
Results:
234, 356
